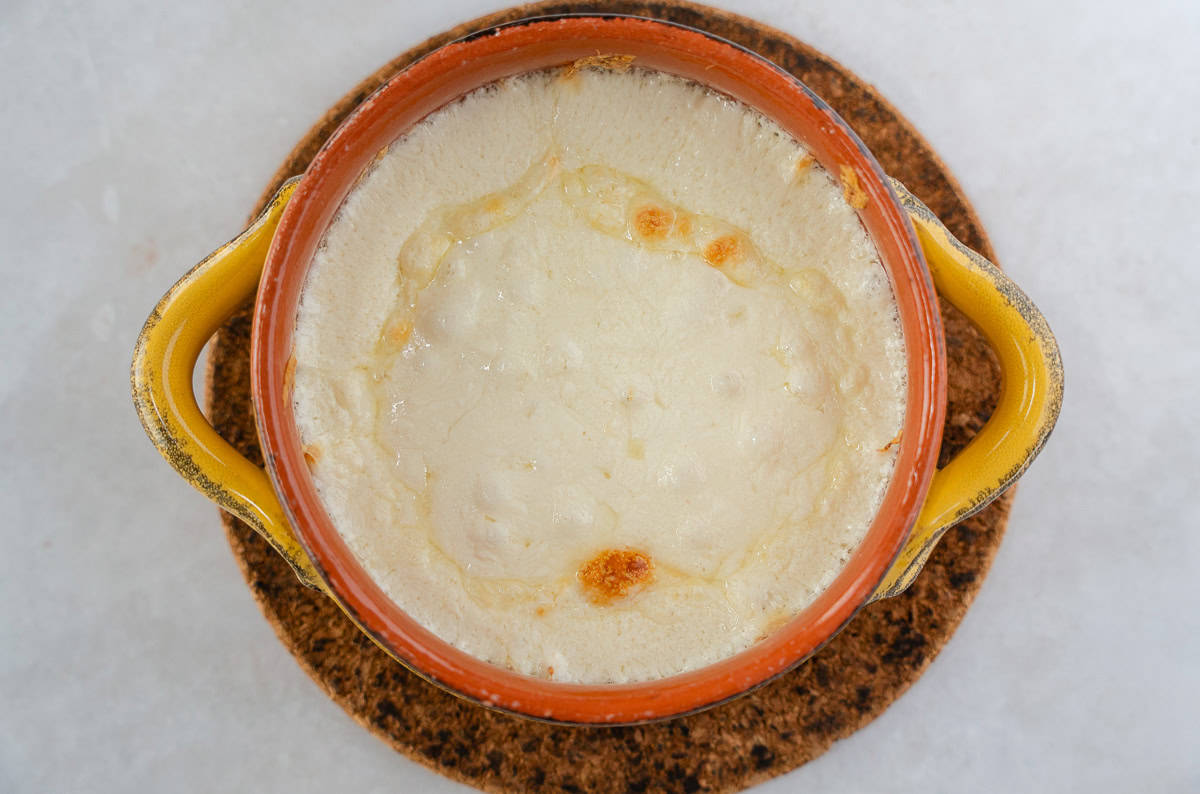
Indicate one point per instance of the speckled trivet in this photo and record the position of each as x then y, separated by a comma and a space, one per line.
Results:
780, 726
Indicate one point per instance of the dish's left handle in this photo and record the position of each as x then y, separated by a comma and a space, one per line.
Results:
161, 379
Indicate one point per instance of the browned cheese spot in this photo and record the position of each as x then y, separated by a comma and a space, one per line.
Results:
852, 191
723, 251
614, 573
653, 223
399, 332
775, 622
616, 63
312, 453
803, 164
289, 374
893, 442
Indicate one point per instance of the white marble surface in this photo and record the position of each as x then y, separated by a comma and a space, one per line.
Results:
136, 136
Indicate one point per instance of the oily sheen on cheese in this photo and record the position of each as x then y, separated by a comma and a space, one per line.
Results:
597, 374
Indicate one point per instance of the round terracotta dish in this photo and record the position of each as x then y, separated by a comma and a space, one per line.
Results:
916, 251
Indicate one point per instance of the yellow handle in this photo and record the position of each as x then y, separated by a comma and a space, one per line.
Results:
161, 378
1030, 398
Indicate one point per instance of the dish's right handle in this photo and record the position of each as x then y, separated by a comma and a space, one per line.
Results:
1030, 397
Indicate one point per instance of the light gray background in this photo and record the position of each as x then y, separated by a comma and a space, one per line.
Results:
135, 139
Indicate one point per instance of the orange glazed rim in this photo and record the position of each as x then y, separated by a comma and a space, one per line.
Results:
445, 75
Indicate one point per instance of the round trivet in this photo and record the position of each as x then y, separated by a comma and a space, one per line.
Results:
770, 731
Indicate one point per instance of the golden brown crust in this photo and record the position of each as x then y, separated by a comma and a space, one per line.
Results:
653, 222
617, 63
803, 164
855, 195
893, 442
312, 454
723, 250
614, 573
289, 374
399, 332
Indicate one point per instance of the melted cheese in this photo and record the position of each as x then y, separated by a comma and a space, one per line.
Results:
597, 373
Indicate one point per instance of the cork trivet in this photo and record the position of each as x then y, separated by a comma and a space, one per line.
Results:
766, 733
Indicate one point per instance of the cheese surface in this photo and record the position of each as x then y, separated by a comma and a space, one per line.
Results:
597, 374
